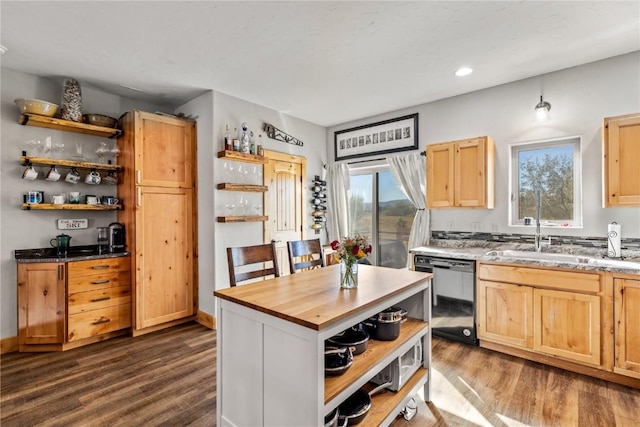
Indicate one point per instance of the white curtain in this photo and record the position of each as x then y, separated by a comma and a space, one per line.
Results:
410, 175
338, 184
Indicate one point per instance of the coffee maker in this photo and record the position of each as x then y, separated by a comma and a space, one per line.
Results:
117, 238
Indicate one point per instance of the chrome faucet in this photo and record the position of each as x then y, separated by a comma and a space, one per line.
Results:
537, 238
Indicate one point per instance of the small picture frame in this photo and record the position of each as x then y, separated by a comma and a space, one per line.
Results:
388, 136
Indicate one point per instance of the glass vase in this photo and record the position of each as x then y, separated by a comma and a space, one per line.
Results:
348, 274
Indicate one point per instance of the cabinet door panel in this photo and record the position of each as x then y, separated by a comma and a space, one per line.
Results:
505, 313
622, 152
41, 303
164, 249
567, 325
470, 173
440, 170
164, 149
627, 325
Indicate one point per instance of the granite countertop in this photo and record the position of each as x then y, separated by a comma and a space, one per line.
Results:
573, 257
76, 253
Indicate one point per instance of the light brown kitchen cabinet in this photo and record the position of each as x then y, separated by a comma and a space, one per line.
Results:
158, 157
99, 297
547, 311
66, 305
41, 304
505, 313
460, 174
627, 326
567, 324
621, 151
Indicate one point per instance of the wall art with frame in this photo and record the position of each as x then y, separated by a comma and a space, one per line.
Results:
388, 136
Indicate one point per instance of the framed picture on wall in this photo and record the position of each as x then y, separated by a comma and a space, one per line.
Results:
388, 136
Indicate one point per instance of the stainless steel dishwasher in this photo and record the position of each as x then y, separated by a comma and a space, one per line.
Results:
453, 297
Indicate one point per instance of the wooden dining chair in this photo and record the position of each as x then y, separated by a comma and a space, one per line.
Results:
305, 254
249, 262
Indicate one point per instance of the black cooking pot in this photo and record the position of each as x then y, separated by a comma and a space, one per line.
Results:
385, 326
352, 337
331, 420
356, 407
337, 360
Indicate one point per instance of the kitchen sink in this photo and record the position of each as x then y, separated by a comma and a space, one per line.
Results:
542, 256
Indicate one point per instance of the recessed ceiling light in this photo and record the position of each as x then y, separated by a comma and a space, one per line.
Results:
463, 71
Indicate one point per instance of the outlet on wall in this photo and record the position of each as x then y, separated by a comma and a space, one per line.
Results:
475, 226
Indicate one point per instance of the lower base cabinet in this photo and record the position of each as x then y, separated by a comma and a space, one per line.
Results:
551, 312
41, 303
65, 305
627, 326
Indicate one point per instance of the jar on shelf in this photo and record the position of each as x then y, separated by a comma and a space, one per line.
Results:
71, 101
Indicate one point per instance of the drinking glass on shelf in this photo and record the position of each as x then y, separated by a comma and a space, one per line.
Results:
258, 209
34, 147
241, 174
230, 208
102, 151
79, 156
228, 171
57, 149
243, 203
115, 152
47, 147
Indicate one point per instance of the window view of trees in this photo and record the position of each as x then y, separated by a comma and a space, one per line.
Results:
550, 169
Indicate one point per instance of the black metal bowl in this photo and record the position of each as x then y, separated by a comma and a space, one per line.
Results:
352, 337
337, 360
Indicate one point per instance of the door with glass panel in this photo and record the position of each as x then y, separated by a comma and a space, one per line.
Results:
381, 211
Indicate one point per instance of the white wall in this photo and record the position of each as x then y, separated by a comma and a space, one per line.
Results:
21, 229
580, 98
202, 107
234, 111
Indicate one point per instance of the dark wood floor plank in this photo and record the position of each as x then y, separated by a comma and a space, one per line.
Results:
168, 378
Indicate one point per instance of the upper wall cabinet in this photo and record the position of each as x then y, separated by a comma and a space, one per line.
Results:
460, 174
621, 150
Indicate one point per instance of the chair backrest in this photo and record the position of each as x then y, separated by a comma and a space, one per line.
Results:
248, 255
305, 254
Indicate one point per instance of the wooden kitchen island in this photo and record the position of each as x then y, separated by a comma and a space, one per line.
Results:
270, 345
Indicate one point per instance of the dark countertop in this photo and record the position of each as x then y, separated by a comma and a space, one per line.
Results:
76, 253
524, 254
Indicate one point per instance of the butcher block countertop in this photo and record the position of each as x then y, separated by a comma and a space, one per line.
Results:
314, 299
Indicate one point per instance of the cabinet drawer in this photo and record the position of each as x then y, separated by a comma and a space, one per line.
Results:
96, 322
106, 279
86, 301
557, 279
96, 266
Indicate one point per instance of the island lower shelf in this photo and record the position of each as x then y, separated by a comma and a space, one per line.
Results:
376, 351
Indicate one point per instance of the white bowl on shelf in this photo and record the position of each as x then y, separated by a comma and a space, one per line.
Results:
36, 106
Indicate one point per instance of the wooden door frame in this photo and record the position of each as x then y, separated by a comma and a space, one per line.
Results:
285, 157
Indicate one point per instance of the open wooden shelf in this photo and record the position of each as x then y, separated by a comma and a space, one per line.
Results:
386, 403
67, 206
243, 187
45, 161
376, 351
247, 218
67, 125
241, 157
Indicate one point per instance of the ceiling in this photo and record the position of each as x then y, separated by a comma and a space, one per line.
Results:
321, 61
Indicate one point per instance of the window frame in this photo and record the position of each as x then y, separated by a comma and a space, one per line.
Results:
514, 173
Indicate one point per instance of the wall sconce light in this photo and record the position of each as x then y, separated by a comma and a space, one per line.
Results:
542, 110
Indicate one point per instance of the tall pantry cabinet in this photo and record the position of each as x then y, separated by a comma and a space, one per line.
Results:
158, 192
